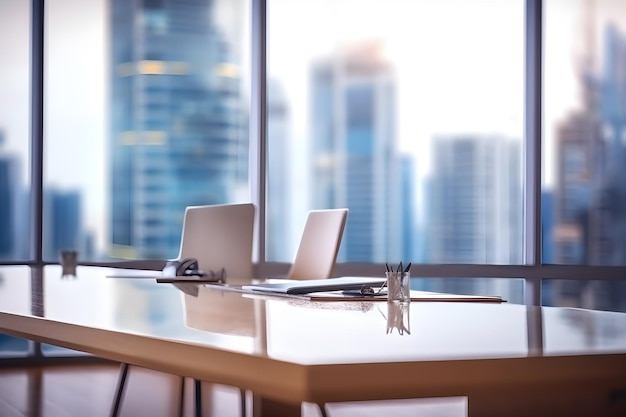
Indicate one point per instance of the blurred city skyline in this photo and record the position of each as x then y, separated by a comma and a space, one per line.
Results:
444, 87
91, 116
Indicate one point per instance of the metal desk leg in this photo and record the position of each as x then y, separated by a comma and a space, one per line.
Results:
119, 393
242, 400
181, 400
198, 397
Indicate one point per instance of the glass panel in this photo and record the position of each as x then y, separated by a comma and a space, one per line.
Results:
15, 295
146, 113
413, 121
584, 194
591, 294
14, 130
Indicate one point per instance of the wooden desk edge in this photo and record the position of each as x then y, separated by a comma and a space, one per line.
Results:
294, 383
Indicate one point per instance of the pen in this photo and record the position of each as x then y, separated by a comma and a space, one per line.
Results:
407, 267
189, 280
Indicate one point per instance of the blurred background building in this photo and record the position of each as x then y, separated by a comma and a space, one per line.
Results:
7, 208
14, 213
590, 197
178, 131
355, 161
475, 201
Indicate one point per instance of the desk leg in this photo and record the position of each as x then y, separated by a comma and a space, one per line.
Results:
181, 399
242, 401
265, 407
197, 397
119, 393
35, 391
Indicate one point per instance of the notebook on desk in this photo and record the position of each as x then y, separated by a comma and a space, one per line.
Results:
314, 285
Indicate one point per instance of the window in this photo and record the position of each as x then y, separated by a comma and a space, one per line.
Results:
583, 191
413, 121
585, 123
137, 127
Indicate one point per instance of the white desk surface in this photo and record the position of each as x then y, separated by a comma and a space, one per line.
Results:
293, 351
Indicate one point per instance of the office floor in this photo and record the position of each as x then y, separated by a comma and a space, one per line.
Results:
87, 390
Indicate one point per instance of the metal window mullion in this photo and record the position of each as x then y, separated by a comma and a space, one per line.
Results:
36, 144
36, 128
258, 123
533, 124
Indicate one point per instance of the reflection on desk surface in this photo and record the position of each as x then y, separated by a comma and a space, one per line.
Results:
309, 332
219, 311
572, 330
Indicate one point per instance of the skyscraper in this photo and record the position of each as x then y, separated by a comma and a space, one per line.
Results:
14, 231
475, 201
177, 126
579, 161
589, 160
590, 197
7, 203
63, 228
613, 114
355, 160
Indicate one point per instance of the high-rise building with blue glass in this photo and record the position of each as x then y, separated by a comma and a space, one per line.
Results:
7, 203
355, 160
63, 228
177, 128
14, 208
612, 193
475, 201
590, 198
